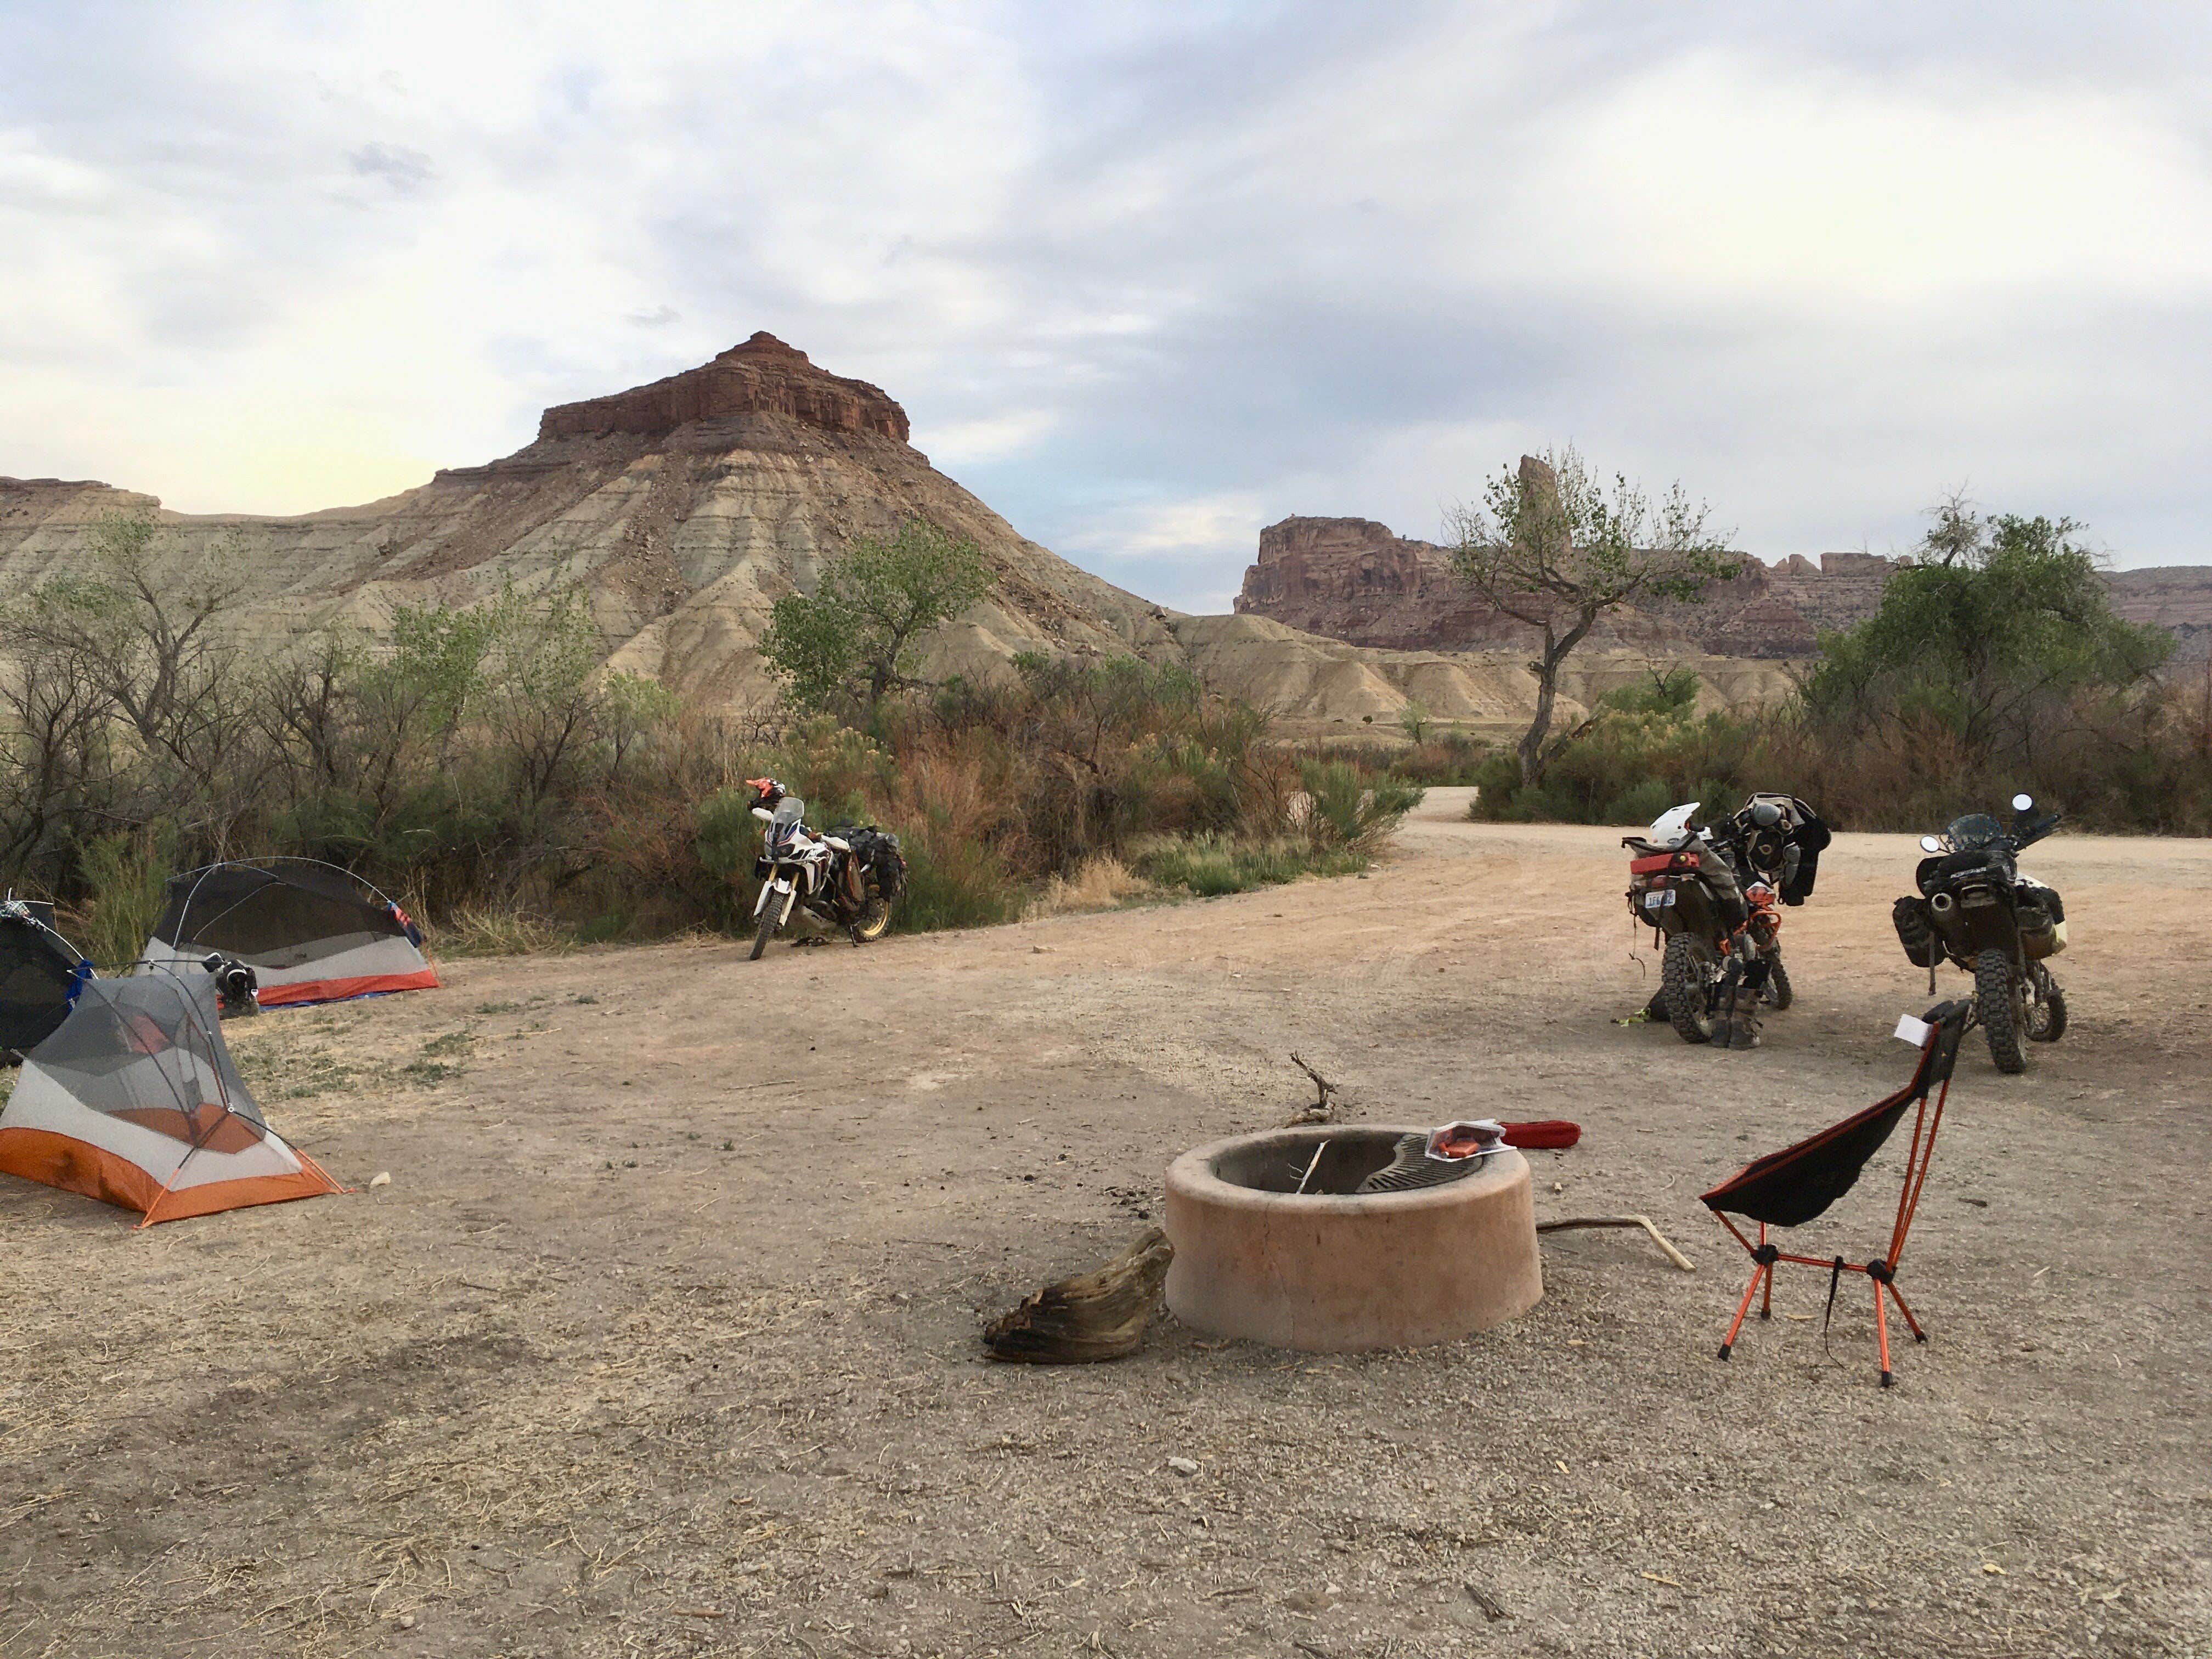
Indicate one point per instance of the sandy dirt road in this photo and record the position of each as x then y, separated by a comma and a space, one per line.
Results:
662, 1339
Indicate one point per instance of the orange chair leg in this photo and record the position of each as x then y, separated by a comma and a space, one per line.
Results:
1881, 1334
1763, 1270
1919, 1335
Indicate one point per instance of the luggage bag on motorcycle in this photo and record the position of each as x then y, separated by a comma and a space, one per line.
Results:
878, 851
1916, 932
2042, 919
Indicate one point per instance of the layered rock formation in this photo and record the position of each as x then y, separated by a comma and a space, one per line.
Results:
1355, 581
684, 508
763, 376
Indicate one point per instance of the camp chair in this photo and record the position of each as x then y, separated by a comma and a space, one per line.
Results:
1798, 1184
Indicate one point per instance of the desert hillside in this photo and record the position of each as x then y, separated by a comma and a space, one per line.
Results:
684, 508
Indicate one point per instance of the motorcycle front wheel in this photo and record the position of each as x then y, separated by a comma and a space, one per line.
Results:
1998, 1000
766, 931
1685, 974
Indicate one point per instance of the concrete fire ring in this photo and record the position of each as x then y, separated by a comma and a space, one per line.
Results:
1330, 1271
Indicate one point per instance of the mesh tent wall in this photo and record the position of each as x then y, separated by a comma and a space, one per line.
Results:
133, 1100
40, 975
311, 932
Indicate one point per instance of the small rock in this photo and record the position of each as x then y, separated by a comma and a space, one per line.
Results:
381, 1178
1183, 1466
407, 1621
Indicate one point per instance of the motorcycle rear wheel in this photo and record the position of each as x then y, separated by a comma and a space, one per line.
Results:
2048, 1022
1779, 995
1686, 977
1997, 1000
766, 931
875, 921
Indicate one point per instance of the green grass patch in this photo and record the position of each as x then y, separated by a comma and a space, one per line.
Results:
1210, 866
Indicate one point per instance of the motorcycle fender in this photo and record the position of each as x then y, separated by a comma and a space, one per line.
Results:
790, 900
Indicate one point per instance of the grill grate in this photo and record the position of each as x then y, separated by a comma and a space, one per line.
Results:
1411, 1168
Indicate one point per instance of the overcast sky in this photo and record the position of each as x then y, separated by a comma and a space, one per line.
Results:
1145, 277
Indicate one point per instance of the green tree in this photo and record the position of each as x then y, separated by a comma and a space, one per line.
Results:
2000, 624
1552, 547
856, 638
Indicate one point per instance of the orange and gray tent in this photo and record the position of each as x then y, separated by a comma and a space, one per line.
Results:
133, 1100
311, 932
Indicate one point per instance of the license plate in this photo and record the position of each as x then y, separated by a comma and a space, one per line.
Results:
1660, 900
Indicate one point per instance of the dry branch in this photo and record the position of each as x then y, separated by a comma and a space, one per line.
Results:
1645, 1222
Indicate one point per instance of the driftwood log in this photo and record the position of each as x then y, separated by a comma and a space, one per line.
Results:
1100, 1314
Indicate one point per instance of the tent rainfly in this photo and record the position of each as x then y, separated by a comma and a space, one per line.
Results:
133, 1100
311, 932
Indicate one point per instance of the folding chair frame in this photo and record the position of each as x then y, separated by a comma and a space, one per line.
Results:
1881, 1271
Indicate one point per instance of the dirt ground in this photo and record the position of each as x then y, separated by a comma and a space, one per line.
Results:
662, 1338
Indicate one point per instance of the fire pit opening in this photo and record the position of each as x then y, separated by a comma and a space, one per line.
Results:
1275, 1163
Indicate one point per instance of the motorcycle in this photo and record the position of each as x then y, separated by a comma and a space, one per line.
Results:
848, 876
1710, 893
1976, 909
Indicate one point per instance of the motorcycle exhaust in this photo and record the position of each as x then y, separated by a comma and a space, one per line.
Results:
1942, 904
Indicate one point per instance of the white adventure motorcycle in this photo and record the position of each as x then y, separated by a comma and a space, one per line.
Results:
850, 877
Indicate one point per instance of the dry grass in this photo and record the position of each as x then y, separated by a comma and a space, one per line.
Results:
482, 931
1101, 884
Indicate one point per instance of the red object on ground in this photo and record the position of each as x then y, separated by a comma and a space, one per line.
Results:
1551, 1134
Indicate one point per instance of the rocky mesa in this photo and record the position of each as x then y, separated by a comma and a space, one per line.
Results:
1356, 581
683, 507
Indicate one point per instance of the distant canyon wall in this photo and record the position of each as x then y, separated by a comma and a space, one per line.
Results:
1357, 581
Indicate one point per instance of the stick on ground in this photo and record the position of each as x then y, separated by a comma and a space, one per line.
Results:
1645, 1222
1320, 1111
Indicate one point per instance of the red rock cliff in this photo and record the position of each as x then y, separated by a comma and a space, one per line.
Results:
762, 376
1353, 580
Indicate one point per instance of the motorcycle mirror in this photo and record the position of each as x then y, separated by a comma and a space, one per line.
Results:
1930, 844
2022, 803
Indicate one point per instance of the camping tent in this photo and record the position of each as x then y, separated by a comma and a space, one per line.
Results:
40, 973
310, 931
133, 1099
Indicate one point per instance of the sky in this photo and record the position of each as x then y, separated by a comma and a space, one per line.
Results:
1145, 277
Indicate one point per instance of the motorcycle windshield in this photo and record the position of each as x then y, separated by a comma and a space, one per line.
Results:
1975, 829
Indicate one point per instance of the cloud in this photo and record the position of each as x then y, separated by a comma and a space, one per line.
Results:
1147, 280
404, 170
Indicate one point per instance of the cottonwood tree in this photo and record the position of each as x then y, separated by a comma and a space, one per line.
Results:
1552, 546
1997, 632
136, 643
855, 639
